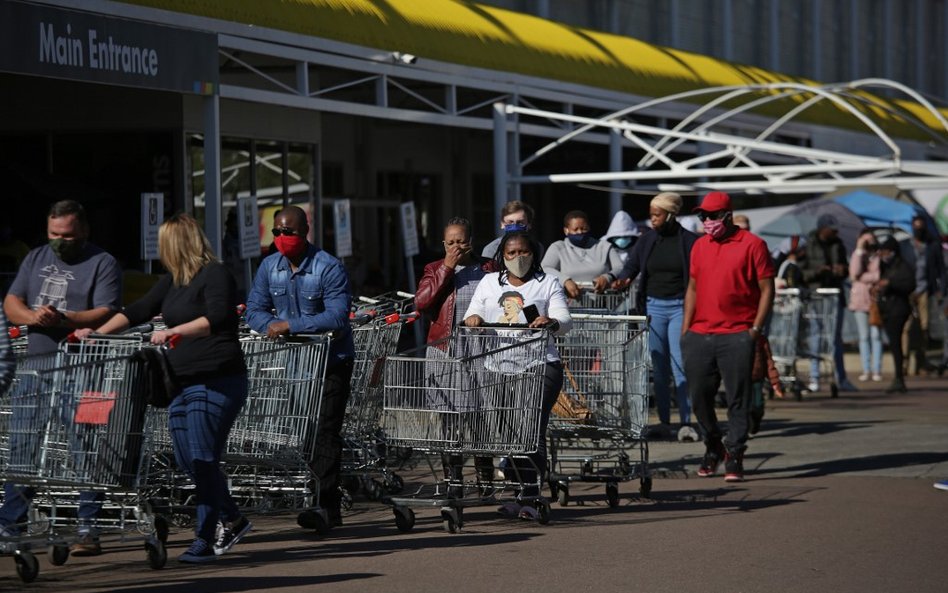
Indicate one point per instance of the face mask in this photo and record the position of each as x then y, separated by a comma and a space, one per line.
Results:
520, 265
888, 258
67, 250
510, 228
577, 239
714, 228
920, 234
622, 242
290, 245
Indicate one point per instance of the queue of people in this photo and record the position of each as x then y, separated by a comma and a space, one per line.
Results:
707, 298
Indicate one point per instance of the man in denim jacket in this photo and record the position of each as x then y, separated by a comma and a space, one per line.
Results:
304, 290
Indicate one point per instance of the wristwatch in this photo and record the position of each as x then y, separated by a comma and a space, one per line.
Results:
758, 330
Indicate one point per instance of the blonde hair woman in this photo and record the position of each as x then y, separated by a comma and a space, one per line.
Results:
198, 300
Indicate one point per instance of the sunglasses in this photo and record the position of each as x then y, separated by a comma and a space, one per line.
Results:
283, 231
719, 215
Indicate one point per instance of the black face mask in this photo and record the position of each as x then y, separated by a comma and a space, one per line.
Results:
920, 234
68, 250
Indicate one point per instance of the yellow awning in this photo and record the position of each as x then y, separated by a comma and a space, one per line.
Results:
493, 38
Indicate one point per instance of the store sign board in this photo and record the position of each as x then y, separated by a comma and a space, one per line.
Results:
342, 222
409, 229
153, 214
248, 227
59, 43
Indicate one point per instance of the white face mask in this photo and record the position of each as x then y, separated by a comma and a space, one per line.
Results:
520, 265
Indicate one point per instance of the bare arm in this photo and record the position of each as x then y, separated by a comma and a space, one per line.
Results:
89, 318
18, 313
765, 302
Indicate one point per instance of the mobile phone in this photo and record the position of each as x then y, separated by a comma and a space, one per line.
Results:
531, 313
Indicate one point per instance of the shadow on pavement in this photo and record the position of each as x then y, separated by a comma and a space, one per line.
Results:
180, 582
853, 464
784, 428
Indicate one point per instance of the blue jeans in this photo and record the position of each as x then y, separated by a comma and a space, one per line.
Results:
870, 343
815, 328
664, 344
199, 420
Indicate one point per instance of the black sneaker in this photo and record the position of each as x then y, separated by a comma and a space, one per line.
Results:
897, 386
734, 467
199, 552
713, 455
231, 534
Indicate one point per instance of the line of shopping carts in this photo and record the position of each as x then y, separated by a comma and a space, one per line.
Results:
802, 328
75, 422
479, 394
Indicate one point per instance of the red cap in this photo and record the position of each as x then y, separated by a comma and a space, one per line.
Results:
714, 202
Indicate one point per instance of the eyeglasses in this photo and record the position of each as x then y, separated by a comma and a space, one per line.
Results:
719, 215
288, 232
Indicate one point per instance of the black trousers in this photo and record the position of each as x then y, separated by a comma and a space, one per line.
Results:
710, 359
894, 316
327, 455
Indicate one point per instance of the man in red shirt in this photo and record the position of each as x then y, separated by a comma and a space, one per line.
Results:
729, 295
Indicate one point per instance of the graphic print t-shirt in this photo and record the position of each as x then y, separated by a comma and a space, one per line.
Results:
504, 303
44, 279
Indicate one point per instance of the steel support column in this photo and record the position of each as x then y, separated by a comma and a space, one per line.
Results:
212, 171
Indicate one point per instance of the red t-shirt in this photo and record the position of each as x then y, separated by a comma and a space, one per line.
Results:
726, 275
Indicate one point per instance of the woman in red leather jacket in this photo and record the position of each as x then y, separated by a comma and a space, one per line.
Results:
447, 285
443, 295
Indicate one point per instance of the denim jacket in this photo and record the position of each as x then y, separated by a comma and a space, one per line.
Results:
313, 299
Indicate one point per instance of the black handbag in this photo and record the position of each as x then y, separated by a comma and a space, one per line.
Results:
158, 380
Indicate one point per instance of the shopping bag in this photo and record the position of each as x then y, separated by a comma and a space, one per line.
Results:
158, 380
875, 315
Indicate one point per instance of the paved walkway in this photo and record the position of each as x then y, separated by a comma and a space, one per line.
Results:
839, 498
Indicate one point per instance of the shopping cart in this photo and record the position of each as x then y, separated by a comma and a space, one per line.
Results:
616, 302
272, 441
478, 392
75, 421
365, 451
802, 327
601, 414
395, 301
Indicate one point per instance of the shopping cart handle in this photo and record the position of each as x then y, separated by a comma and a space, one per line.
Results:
144, 328
241, 309
14, 332
171, 342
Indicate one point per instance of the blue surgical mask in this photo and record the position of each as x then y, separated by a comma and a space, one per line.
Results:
622, 242
577, 239
510, 228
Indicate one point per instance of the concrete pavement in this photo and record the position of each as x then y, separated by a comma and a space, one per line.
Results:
839, 498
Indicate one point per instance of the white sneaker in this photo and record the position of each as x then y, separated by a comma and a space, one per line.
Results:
813, 386
864, 377
686, 434
877, 378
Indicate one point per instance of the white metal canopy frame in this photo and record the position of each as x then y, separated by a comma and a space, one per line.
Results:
702, 153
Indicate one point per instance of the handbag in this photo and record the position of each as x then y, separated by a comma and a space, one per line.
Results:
875, 314
158, 381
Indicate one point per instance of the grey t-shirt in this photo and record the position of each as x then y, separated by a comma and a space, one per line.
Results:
44, 279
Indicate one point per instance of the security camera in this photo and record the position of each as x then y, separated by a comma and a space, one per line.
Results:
404, 58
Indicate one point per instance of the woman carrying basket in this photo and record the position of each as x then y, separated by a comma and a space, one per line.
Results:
198, 300
492, 301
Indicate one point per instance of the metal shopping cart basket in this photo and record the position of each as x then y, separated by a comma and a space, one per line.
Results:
272, 441
615, 302
602, 411
75, 422
802, 327
365, 451
478, 392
